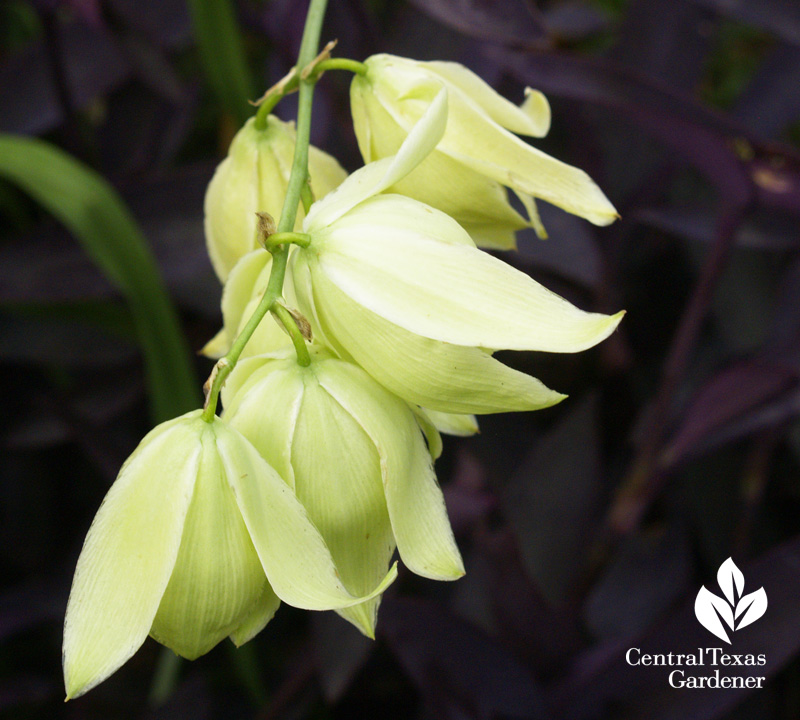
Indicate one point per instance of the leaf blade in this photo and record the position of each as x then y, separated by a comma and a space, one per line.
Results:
93, 212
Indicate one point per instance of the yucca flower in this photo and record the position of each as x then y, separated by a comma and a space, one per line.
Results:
400, 288
197, 540
355, 458
243, 291
478, 155
253, 178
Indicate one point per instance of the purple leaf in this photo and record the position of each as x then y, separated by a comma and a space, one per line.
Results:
458, 669
552, 500
765, 230
739, 165
732, 394
648, 574
164, 22
92, 66
49, 267
573, 20
341, 652
779, 17
702, 138
546, 637
513, 23
765, 106
570, 251
665, 41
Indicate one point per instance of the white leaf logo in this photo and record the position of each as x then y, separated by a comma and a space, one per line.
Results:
734, 610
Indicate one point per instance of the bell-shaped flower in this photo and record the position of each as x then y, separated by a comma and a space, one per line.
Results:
401, 289
197, 540
478, 155
355, 457
243, 291
253, 178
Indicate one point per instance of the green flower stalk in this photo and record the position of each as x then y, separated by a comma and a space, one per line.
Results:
243, 290
478, 155
253, 178
401, 289
355, 458
197, 540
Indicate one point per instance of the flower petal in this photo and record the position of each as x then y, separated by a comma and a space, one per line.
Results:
260, 614
230, 201
481, 145
453, 423
129, 554
295, 558
377, 177
433, 374
454, 293
431, 432
415, 502
491, 236
532, 119
338, 481
398, 216
217, 346
269, 430
217, 575
473, 200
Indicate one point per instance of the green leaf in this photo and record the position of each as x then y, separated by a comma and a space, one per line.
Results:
93, 212
222, 55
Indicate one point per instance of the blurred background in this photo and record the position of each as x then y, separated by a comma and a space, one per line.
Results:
588, 528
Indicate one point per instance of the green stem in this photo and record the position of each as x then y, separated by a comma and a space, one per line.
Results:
340, 64
297, 179
165, 678
303, 358
274, 241
270, 102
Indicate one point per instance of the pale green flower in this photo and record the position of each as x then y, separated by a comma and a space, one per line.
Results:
401, 289
253, 178
356, 460
477, 155
243, 291
196, 540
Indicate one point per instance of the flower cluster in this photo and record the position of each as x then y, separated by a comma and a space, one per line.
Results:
322, 463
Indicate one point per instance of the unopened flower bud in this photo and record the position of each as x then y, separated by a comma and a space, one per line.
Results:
357, 461
252, 179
